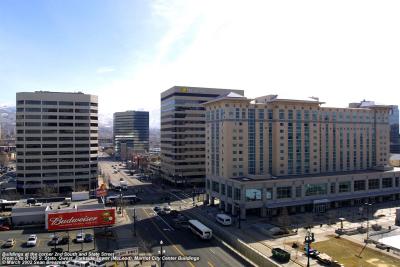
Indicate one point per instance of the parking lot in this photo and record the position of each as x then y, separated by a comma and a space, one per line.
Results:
43, 239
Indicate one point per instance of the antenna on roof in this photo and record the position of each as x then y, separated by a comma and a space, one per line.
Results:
314, 97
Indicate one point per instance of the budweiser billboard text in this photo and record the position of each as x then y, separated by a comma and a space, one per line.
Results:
80, 219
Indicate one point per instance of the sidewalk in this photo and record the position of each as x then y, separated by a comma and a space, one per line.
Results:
257, 240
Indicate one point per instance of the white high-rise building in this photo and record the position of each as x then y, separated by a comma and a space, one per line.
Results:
57, 142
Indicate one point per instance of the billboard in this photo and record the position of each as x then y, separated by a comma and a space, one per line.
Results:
80, 219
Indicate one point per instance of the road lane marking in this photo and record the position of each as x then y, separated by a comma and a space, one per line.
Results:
169, 226
210, 264
169, 241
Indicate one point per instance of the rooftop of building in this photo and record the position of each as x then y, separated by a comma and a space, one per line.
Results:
55, 204
328, 174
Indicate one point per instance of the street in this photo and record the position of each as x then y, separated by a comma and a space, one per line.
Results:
152, 228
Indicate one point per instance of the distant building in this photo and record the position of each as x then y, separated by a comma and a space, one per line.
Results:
183, 133
131, 133
271, 154
57, 142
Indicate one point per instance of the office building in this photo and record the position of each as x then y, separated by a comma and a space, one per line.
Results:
57, 144
183, 133
269, 153
131, 133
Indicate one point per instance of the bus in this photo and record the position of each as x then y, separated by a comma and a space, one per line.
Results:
200, 229
128, 199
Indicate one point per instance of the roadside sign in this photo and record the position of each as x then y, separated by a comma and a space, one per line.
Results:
126, 252
101, 193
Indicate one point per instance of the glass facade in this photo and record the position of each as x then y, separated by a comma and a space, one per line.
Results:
315, 189
253, 194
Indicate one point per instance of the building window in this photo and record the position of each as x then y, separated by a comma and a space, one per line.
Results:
208, 184
237, 194
284, 192
223, 189
373, 184
387, 182
281, 114
215, 186
229, 191
344, 187
359, 185
333, 188
269, 193
253, 194
298, 191
315, 189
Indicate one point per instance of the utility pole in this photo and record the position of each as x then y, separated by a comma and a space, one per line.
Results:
309, 238
134, 221
368, 207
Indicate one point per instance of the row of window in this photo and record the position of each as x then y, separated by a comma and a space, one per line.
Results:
54, 138
55, 110
282, 192
54, 117
54, 174
55, 124
55, 103
53, 167
64, 131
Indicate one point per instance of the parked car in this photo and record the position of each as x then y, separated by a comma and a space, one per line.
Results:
280, 254
31, 201
55, 240
4, 228
32, 240
80, 237
9, 243
157, 209
64, 240
88, 238
166, 209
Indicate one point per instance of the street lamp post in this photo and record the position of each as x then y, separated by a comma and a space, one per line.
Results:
161, 252
368, 205
309, 238
134, 221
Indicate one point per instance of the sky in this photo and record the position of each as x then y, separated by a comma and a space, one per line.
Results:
128, 51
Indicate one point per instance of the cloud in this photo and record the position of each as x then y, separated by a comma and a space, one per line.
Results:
102, 70
340, 52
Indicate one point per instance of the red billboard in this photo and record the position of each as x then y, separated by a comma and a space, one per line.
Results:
80, 219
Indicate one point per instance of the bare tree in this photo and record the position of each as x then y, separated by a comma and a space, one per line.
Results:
47, 191
4, 159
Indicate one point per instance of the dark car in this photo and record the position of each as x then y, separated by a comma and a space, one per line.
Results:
157, 209
4, 228
175, 213
54, 241
88, 238
64, 240
31, 201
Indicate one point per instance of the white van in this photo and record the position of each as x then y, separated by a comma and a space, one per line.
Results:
223, 219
